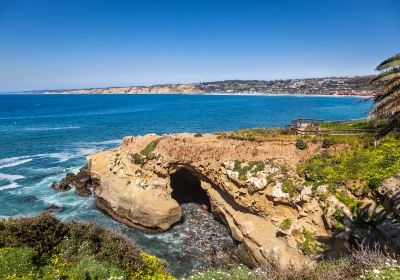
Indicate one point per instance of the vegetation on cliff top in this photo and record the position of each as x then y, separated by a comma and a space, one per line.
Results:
360, 168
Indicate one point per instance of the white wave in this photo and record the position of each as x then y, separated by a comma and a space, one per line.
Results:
12, 185
86, 151
15, 163
12, 159
10, 177
50, 128
60, 156
106, 142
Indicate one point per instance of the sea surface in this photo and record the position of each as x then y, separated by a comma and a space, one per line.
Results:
42, 137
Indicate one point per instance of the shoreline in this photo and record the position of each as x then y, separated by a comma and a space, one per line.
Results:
207, 94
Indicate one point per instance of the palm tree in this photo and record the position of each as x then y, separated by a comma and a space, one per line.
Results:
387, 103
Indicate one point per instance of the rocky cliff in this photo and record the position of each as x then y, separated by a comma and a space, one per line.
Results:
274, 215
180, 88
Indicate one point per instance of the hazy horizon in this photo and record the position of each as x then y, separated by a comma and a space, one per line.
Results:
93, 44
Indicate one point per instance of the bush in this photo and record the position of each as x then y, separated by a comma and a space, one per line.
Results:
137, 159
198, 135
286, 224
326, 143
154, 269
323, 197
42, 233
309, 245
374, 183
289, 186
300, 144
104, 245
353, 204
44, 248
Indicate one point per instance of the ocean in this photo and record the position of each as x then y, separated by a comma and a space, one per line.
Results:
42, 137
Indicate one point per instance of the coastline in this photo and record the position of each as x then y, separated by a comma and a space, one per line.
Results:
210, 93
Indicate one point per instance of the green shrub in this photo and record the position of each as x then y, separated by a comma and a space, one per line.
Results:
374, 183
326, 144
42, 233
285, 224
137, 159
353, 204
323, 197
309, 245
300, 144
289, 186
76, 251
149, 148
154, 268
253, 167
104, 245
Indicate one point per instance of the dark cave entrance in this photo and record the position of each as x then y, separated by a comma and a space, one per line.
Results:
186, 188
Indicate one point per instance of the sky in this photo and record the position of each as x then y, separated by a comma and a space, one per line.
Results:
57, 44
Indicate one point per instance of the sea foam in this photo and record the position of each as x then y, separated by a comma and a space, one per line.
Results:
14, 162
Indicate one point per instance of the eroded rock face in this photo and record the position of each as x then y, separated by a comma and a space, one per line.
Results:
82, 182
251, 187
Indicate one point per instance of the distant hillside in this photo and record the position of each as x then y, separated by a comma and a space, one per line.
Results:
325, 86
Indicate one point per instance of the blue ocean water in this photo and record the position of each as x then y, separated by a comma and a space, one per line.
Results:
44, 136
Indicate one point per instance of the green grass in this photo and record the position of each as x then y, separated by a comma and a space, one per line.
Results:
257, 134
361, 124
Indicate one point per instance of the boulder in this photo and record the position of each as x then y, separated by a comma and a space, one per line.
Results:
390, 191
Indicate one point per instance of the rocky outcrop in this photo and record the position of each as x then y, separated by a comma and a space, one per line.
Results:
82, 182
386, 219
251, 187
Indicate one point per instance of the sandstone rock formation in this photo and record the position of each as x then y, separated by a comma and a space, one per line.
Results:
252, 187
245, 185
179, 88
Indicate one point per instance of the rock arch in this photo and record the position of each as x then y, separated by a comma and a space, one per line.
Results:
186, 188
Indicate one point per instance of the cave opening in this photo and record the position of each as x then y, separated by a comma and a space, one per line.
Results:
186, 188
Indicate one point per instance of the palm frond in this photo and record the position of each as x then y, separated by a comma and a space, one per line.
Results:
386, 109
387, 102
389, 63
390, 85
393, 91
387, 76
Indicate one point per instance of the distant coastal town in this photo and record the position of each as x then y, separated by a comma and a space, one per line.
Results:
352, 86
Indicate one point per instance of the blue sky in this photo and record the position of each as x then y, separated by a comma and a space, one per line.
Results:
48, 44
